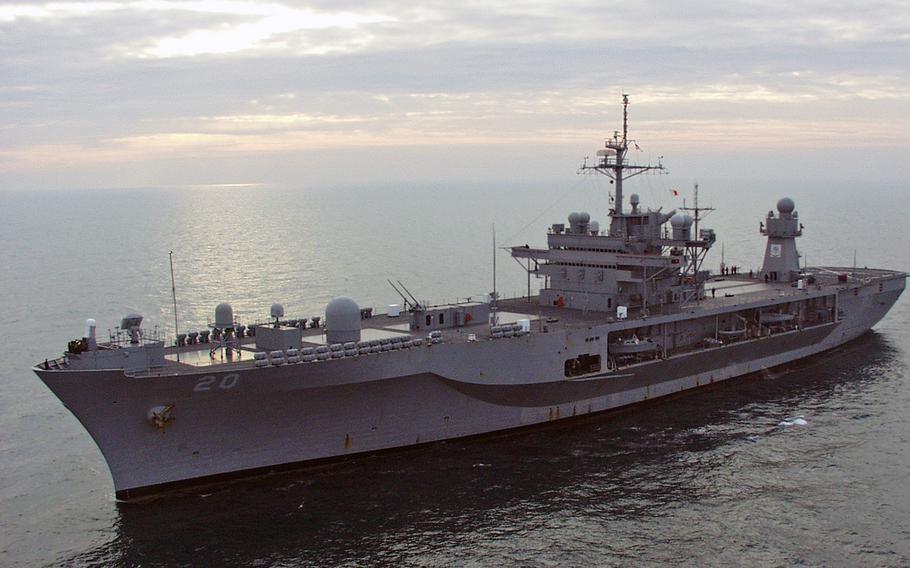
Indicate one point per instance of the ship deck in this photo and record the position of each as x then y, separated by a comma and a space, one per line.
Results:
722, 292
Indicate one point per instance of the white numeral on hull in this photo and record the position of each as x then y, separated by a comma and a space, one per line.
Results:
210, 382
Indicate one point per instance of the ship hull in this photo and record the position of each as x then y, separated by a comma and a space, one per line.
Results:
239, 423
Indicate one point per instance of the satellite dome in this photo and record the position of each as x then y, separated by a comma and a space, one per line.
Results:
786, 205
634, 199
342, 320
224, 316
682, 227
584, 217
574, 217
277, 311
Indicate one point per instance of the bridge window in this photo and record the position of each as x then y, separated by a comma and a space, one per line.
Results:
582, 365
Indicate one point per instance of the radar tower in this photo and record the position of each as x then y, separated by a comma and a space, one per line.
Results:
612, 159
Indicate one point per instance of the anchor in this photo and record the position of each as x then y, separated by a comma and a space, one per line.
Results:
160, 416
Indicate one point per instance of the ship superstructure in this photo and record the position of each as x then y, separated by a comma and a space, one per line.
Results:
623, 315
637, 264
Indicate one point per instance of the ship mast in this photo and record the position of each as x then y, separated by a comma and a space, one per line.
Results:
612, 159
697, 252
696, 210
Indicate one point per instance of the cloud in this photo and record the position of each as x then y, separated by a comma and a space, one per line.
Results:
145, 80
232, 26
266, 32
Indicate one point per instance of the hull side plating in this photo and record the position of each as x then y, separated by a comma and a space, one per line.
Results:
233, 422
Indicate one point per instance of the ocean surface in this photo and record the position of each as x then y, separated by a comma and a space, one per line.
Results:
805, 465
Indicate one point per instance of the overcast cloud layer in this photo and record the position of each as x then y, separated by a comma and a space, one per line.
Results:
165, 92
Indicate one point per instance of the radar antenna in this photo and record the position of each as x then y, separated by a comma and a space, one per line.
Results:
612, 159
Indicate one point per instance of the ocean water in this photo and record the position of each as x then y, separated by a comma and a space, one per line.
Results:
804, 465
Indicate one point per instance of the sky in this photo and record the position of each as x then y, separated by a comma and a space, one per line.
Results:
148, 93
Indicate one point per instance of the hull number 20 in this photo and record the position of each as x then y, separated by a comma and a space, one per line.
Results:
211, 382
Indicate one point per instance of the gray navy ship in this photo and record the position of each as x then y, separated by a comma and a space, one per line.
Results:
625, 314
